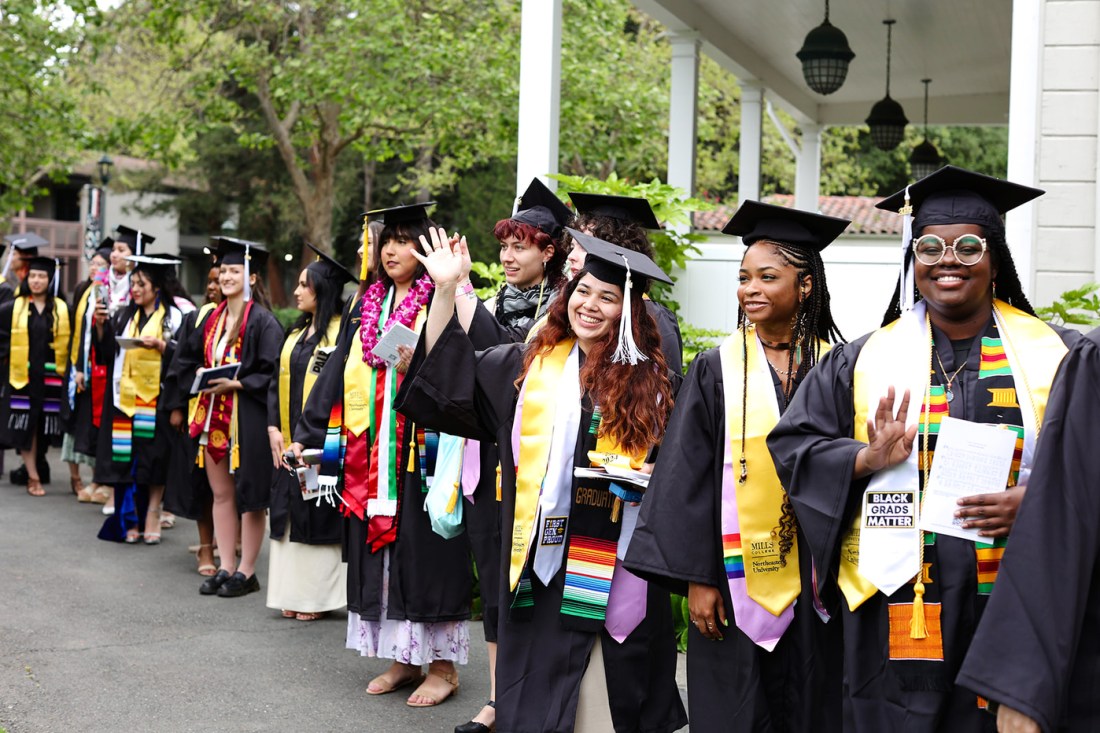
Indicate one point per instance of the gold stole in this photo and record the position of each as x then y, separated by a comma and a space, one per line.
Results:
78, 335
20, 347
760, 498
1034, 352
141, 366
329, 338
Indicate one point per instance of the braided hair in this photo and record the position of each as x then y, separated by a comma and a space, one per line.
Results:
813, 324
1006, 285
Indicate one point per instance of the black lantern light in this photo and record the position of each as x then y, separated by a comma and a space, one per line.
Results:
925, 159
825, 56
103, 167
887, 119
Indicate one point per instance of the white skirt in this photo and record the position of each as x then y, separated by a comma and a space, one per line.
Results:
306, 578
408, 642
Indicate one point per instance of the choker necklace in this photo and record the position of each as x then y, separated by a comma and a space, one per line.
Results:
776, 345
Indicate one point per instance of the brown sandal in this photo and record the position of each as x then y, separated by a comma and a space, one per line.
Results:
389, 686
451, 678
34, 487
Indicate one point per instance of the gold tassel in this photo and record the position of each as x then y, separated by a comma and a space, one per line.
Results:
917, 628
412, 453
498, 482
199, 460
616, 506
364, 269
453, 500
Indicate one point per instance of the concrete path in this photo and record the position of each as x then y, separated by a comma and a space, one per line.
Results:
99, 636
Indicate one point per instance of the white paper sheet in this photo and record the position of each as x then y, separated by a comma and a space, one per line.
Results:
398, 335
971, 458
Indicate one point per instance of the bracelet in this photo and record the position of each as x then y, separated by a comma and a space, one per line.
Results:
467, 289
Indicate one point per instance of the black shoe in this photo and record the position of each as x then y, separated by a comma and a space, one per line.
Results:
474, 727
238, 585
18, 476
211, 585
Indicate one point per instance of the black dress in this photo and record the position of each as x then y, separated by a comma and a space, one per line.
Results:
734, 685
1037, 648
540, 662
430, 578
814, 453
259, 357
187, 490
17, 431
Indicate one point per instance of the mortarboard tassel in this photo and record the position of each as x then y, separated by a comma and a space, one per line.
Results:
247, 273
56, 275
364, 268
7, 264
627, 351
905, 281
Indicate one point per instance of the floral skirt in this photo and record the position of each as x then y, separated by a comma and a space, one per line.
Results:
408, 642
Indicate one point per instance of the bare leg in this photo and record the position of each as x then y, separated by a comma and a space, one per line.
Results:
224, 510
205, 554
152, 515
488, 715
253, 527
441, 682
30, 460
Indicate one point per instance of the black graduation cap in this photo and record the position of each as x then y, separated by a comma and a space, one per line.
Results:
402, 214
105, 248
27, 243
955, 195
232, 251
329, 268
541, 208
44, 264
755, 221
606, 261
624, 208
131, 238
160, 265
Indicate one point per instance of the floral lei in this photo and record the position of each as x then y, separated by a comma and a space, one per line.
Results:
405, 313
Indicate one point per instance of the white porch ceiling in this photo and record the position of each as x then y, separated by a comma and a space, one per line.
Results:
962, 45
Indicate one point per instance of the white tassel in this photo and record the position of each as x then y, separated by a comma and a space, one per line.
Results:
56, 275
7, 264
247, 273
627, 351
906, 277
138, 249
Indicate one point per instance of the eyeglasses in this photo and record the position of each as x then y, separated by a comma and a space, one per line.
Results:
968, 249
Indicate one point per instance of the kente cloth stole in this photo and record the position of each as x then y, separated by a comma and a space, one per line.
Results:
763, 587
328, 340
1020, 355
139, 389
223, 408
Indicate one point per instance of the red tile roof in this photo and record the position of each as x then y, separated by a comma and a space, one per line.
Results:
866, 219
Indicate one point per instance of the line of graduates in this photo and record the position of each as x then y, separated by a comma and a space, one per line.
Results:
518, 433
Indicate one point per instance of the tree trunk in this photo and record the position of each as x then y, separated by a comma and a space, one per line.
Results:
425, 164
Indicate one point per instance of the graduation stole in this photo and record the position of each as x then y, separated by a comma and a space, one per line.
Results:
19, 367
138, 388
79, 335
311, 372
1018, 347
223, 418
762, 587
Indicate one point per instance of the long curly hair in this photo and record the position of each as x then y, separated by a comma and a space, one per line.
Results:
554, 270
813, 323
635, 401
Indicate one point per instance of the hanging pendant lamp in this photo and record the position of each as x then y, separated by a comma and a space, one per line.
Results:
925, 159
887, 119
825, 56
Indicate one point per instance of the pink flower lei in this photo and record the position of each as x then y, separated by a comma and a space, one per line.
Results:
405, 313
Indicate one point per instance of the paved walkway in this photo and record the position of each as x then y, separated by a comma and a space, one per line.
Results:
98, 636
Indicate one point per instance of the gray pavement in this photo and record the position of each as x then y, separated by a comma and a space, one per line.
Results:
99, 636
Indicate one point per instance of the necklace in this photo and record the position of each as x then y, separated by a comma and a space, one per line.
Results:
948, 394
777, 345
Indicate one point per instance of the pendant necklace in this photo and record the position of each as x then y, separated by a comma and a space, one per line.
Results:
948, 394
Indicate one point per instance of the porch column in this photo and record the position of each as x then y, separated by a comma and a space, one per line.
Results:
752, 123
683, 110
539, 92
807, 181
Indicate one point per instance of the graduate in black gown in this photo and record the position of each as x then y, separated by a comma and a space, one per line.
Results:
34, 354
21, 246
855, 447
584, 645
307, 577
1037, 649
227, 424
754, 664
624, 220
137, 345
409, 589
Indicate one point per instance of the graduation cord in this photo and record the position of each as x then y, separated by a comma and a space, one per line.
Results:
918, 628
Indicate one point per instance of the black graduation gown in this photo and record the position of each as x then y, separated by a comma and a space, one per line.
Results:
308, 523
672, 343
430, 577
814, 455
734, 685
539, 663
7, 293
1037, 648
40, 340
147, 466
83, 430
259, 364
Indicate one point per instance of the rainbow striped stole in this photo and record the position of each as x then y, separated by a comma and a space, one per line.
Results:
124, 430
732, 557
588, 570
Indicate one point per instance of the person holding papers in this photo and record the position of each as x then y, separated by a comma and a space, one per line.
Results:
227, 423
136, 345
717, 526
857, 451
583, 644
307, 577
408, 588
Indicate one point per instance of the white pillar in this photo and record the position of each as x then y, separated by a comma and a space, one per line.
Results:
807, 180
682, 110
1024, 110
539, 92
752, 123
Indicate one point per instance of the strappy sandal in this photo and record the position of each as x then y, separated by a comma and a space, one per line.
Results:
101, 494
152, 538
389, 686
204, 569
451, 678
86, 494
34, 487
311, 616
